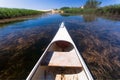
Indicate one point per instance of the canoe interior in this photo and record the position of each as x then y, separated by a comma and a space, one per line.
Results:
61, 54
59, 73
61, 46
60, 62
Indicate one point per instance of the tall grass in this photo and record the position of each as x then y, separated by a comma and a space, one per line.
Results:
79, 10
14, 12
107, 10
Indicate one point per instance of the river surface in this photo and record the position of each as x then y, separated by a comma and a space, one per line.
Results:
97, 39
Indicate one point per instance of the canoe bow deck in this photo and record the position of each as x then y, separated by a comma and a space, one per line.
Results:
60, 61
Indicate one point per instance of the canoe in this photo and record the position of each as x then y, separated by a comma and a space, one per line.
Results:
61, 60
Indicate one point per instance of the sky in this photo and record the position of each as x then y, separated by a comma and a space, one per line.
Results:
49, 4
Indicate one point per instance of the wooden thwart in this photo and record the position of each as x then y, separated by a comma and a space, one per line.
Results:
58, 73
63, 59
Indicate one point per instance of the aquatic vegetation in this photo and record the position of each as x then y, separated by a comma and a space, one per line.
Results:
96, 38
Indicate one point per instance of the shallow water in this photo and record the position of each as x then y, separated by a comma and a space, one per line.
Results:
97, 39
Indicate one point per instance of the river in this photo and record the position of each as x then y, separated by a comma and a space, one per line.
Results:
97, 39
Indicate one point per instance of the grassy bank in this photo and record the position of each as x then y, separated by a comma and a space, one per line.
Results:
107, 10
78, 11
6, 13
17, 19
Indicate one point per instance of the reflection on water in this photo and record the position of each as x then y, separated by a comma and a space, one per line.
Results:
89, 18
98, 39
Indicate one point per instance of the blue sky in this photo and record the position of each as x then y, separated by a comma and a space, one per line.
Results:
49, 4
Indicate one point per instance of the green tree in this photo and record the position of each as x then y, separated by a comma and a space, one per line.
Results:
64, 8
92, 4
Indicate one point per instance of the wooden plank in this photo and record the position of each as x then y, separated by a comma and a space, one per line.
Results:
63, 59
57, 73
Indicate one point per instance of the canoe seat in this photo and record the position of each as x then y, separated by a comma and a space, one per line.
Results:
61, 59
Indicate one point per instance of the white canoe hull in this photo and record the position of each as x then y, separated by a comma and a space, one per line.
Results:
61, 61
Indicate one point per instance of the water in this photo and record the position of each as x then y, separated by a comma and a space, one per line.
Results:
97, 39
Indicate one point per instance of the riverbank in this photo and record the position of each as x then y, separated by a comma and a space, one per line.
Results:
14, 14
110, 17
112, 10
9, 20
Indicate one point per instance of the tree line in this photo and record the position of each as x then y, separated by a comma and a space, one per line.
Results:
14, 12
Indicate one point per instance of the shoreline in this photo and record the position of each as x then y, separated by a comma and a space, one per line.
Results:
8, 20
112, 16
